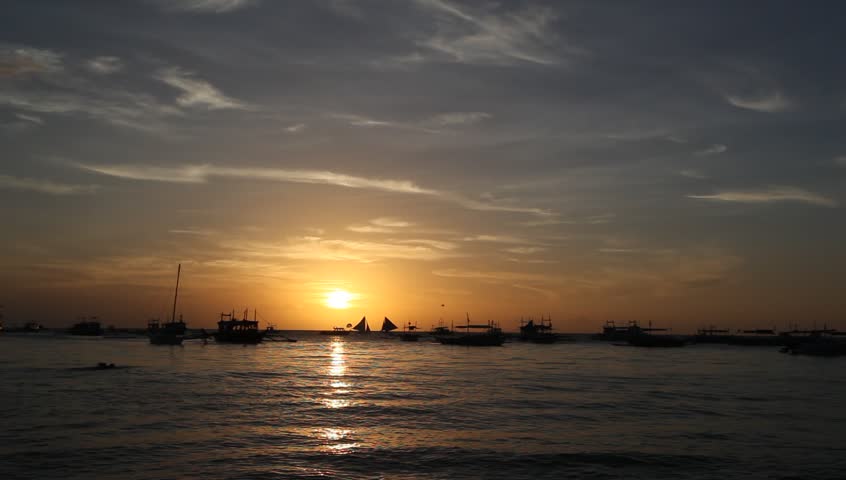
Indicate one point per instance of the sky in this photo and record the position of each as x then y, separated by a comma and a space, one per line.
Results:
680, 163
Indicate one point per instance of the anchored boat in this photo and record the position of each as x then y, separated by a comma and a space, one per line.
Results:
242, 331
474, 335
172, 332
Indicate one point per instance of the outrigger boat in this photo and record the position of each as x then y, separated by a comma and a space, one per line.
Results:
537, 332
336, 331
87, 328
409, 333
490, 336
242, 331
172, 332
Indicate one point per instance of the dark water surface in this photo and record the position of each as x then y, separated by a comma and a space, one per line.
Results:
382, 408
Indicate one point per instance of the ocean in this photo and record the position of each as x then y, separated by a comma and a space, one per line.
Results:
355, 408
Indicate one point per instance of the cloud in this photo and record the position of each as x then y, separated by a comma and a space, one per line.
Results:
490, 38
459, 118
104, 65
137, 111
197, 92
840, 161
29, 118
19, 61
369, 229
296, 128
191, 231
390, 222
695, 174
715, 149
770, 195
44, 186
495, 239
524, 250
202, 174
206, 6
439, 244
767, 103
313, 248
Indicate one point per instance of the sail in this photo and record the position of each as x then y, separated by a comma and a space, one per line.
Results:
388, 325
362, 326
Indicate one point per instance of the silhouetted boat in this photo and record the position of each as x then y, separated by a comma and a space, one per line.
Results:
537, 332
712, 335
233, 330
611, 331
172, 332
641, 337
387, 325
409, 333
489, 335
362, 326
336, 331
88, 328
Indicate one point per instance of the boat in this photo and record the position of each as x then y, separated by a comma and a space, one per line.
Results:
641, 337
86, 327
713, 335
336, 331
409, 333
242, 331
488, 335
387, 325
537, 332
362, 326
172, 332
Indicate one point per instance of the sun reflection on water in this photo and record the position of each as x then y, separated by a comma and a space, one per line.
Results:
336, 440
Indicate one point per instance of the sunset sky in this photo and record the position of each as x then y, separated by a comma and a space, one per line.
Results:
679, 162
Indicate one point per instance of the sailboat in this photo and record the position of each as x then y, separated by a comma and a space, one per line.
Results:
387, 326
362, 326
172, 332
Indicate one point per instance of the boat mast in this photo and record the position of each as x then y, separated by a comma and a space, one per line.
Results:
175, 293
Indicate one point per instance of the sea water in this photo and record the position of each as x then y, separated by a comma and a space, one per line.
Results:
351, 407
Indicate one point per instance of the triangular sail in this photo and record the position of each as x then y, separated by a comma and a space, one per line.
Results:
362, 326
388, 325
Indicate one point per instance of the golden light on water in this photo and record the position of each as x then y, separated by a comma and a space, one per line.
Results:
338, 299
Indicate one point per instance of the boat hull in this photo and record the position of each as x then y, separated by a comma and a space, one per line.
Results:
476, 340
250, 338
657, 341
166, 339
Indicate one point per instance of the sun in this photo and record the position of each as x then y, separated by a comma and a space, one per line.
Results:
339, 299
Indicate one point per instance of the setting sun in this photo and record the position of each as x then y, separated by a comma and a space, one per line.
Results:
339, 299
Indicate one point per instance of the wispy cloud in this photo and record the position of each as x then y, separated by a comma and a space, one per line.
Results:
438, 244
314, 248
29, 118
495, 239
197, 92
203, 173
524, 250
715, 149
485, 37
19, 60
44, 186
768, 103
694, 174
206, 6
459, 118
104, 65
191, 231
297, 128
136, 111
840, 161
770, 195
390, 222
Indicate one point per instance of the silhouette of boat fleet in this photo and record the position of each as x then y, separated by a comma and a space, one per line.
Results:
230, 329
